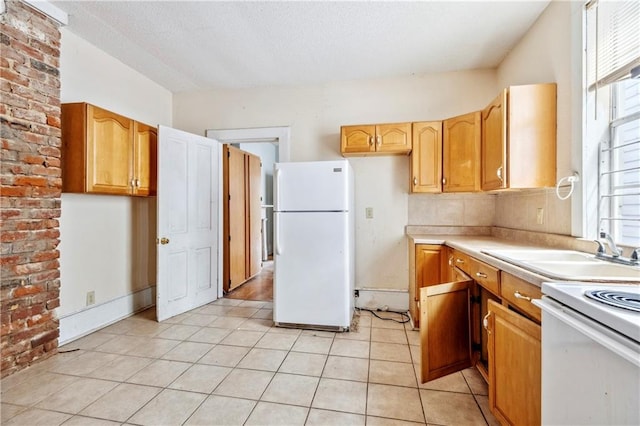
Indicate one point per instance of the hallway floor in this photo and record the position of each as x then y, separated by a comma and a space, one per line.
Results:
225, 364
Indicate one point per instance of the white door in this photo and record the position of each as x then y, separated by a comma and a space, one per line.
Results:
187, 202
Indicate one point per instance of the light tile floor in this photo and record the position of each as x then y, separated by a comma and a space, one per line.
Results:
225, 364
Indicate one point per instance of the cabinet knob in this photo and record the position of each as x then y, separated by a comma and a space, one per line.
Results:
499, 173
485, 322
519, 295
378, 140
444, 181
370, 140
415, 181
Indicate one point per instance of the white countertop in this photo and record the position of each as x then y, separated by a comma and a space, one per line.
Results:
473, 246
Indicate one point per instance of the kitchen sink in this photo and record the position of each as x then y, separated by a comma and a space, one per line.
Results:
567, 265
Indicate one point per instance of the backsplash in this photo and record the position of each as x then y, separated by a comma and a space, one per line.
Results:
513, 210
452, 209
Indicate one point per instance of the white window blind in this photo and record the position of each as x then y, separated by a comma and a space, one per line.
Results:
613, 41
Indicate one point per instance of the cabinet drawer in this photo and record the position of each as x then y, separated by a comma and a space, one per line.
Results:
519, 293
487, 276
463, 262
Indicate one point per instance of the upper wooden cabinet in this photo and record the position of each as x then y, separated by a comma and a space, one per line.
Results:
426, 157
461, 153
106, 153
375, 139
519, 138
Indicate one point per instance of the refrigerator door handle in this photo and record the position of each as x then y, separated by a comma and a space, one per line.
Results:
276, 239
277, 191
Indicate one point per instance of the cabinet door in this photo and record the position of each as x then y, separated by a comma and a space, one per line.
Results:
145, 141
254, 214
426, 157
357, 139
393, 138
494, 144
514, 367
429, 271
445, 338
461, 153
109, 150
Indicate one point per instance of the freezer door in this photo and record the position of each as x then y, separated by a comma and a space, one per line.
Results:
313, 186
312, 279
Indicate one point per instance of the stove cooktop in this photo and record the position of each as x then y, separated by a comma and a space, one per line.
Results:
596, 301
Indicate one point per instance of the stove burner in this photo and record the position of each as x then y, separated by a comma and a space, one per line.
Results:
619, 299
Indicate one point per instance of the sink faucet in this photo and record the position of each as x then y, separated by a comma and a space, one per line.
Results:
615, 251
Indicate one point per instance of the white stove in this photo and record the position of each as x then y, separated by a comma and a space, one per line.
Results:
575, 295
590, 353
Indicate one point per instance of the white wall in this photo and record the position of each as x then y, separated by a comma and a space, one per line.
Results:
549, 52
107, 243
315, 114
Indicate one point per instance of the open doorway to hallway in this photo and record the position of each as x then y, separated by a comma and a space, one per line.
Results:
271, 144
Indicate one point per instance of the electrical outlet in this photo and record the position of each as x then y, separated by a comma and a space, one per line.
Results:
540, 216
91, 297
369, 212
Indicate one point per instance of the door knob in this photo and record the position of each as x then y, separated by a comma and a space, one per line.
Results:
163, 241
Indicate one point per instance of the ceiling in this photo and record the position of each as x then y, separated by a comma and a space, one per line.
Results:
186, 46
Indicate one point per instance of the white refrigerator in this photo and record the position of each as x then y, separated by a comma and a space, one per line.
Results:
314, 274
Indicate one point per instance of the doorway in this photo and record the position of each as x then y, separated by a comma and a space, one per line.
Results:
271, 144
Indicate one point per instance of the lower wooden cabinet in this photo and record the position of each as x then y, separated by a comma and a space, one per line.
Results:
242, 253
430, 264
514, 366
478, 320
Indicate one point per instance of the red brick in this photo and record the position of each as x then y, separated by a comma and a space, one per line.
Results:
14, 236
44, 338
27, 290
52, 304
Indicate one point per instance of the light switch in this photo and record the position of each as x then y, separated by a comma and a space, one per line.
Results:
369, 212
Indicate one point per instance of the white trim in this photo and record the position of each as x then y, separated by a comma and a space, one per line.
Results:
53, 12
377, 298
282, 135
78, 324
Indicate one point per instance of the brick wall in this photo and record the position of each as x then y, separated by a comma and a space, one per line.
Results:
30, 185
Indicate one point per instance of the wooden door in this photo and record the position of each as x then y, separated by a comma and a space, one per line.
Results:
426, 157
357, 139
254, 214
235, 223
494, 144
461, 153
144, 159
445, 338
429, 271
514, 367
109, 151
187, 255
393, 138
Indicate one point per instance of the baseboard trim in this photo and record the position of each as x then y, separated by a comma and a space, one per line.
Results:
376, 298
78, 324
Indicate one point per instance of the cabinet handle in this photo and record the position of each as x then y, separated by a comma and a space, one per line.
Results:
518, 295
499, 173
415, 181
481, 275
450, 260
458, 260
485, 322
137, 183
